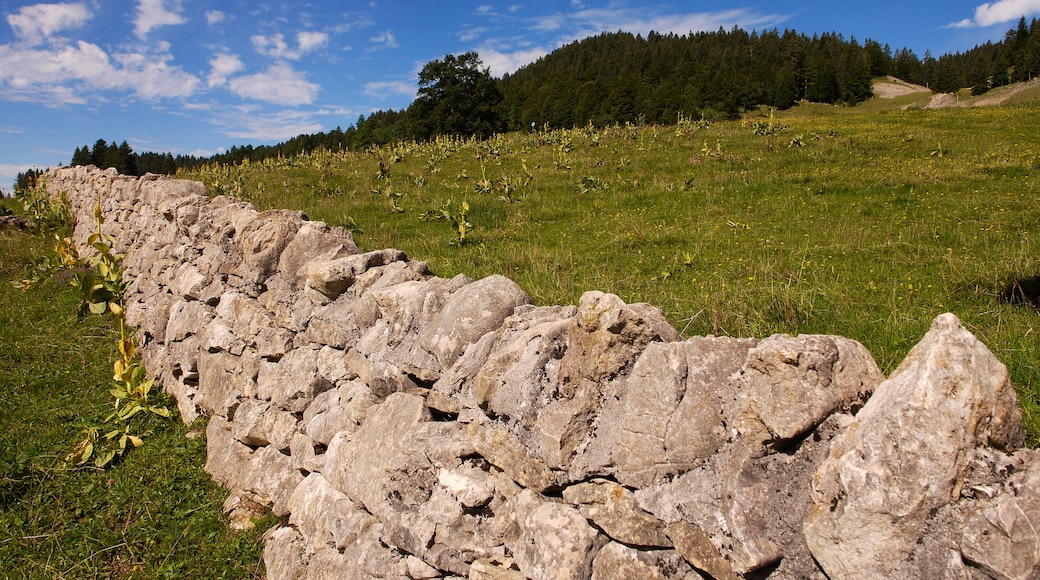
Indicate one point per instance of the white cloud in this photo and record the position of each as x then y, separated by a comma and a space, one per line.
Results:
385, 89
638, 22
385, 38
277, 126
33, 24
67, 75
998, 12
152, 77
502, 63
309, 41
221, 67
279, 84
214, 17
276, 47
152, 14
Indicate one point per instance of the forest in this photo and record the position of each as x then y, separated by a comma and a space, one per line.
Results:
618, 77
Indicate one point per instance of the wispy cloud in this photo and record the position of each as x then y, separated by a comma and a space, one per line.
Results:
152, 14
998, 12
384, 39
386, 89
276, 47
36, 23
506, 55
277, 126
279, 84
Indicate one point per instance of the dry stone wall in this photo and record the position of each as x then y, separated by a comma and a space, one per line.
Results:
409, 426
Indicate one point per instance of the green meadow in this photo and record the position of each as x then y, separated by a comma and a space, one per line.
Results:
865, 222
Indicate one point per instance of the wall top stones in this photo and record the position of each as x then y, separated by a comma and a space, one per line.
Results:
410, 426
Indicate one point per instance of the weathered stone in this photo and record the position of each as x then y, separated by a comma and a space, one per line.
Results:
187, 319
618, 562
326, 516
612, 509
336, 411
472, 487
263, 240
429, 422
380, 465
555, 542
314, 239
1002, 535
495, 569
791, 384
671, 416
470, 313
292, 382
272, 478
696, 548
875, 492
283, 554
256, 424
330, 277
505, 451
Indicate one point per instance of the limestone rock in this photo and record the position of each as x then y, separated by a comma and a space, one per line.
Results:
697, 549
554, 541
470, 313
612, 509
618, 562
791, 384
283, 554
1002, 535
874, 493
671, 415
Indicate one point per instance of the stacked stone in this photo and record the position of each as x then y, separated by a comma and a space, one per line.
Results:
410, 426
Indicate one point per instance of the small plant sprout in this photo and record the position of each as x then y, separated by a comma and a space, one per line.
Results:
459, 220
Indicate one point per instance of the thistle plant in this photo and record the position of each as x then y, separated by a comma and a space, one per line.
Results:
459, 220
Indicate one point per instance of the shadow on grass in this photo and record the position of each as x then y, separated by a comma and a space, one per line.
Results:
1022, 291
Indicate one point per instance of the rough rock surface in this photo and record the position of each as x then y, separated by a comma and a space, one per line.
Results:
409, 426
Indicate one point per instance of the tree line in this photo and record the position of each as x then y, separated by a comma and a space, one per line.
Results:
628, 78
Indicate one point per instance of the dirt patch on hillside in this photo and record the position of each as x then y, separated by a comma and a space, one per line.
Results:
997, 96
891, 87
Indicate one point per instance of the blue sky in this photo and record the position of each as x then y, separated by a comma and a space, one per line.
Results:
198, 76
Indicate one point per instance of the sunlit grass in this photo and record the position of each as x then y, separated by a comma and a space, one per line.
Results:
854, 221
145, 517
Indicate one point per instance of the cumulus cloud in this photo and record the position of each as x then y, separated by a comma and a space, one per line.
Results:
279, 84
385, 89
999, 12
152, 14
64, 75
501, 63
36, 23
214, 17
222, 66
276, 47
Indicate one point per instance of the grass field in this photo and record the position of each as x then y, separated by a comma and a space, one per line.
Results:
156, 514
865, 222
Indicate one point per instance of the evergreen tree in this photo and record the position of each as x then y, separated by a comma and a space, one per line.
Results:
456, 97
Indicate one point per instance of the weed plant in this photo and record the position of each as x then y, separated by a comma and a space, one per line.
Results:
818, 220
153, 514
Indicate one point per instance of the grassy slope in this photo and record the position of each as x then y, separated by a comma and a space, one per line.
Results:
864, 231
155, 515
865, 222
